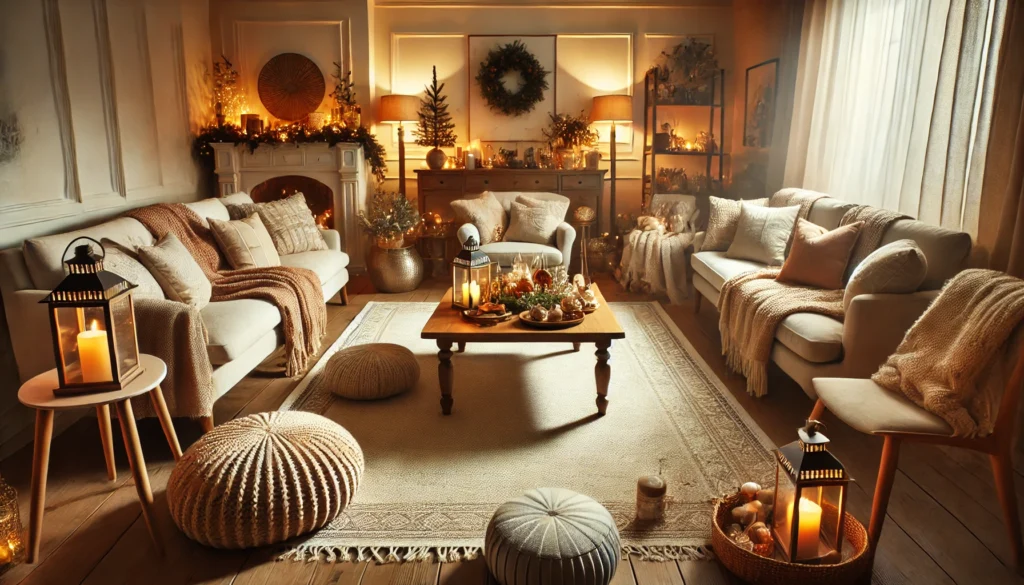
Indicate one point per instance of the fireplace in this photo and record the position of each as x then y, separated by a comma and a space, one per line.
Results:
333, 179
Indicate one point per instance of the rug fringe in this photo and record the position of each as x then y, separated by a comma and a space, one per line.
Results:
384, 555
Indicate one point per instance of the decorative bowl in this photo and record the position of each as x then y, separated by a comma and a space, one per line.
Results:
485, 319
563, 324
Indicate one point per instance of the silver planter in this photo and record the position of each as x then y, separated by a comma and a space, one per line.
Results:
394, 270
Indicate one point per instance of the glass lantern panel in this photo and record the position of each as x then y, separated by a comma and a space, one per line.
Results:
460, 285
84, 349
782, 516
481, 276
125, 343
831, 516
807, 524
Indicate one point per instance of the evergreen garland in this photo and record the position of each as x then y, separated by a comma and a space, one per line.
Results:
512, 57
436, 128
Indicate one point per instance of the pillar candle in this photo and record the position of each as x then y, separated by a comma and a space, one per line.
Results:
94, 355
808, 533
465, 295
650, 498
474, 294
470, 161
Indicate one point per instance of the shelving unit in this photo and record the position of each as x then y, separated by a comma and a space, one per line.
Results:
716, 114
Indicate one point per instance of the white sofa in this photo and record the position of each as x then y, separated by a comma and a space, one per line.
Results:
242, 333
556, 253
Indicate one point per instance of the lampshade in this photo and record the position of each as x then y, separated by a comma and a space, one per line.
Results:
612, 108
399, 108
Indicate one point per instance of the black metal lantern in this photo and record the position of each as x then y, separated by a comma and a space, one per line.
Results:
92, 320
472, 272
810, 499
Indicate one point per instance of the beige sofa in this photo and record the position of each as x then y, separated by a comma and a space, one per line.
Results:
556, 253
808, 345
242, 333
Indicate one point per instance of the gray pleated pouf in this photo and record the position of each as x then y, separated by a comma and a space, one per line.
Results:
552, 536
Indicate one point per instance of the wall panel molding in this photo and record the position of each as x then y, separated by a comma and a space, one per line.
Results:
109, 97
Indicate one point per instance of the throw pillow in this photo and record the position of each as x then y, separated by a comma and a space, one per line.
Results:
722, 222
180, 277
762, 233
819, 257
896, 268
240, 210
555, 207
486, 213
245, 242
124, 263
289, 221
535, 225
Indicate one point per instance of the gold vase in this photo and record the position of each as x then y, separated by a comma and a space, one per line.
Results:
394, 270
391, 242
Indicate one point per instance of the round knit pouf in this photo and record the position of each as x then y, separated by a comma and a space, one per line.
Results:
371, 371
263, 479
552, 535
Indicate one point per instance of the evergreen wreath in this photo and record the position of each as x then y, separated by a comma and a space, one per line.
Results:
512, 57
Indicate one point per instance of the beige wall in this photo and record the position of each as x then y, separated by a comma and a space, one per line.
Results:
105, 94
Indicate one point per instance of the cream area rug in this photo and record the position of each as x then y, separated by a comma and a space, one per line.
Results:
525, 417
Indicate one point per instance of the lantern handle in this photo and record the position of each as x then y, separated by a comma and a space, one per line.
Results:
72, 243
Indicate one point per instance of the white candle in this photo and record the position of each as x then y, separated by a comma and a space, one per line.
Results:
94, 355
465, 295
474, 294
808, 532
470, 161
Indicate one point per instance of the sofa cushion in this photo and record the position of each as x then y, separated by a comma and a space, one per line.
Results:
555, 207
763, 233
945, 250
505, 252
816, 338
325, 263
819, 257
233, 326
722, 221
43, 255
484, 212
179, 275
245, 242
716, 268
828, 212
896, 268
869, 408
209, 209
531, 224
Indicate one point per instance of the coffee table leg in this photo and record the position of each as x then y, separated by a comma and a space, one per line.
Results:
107, 438
462, 346
603, 374
576, 346
126, 417
40, 469
445, 375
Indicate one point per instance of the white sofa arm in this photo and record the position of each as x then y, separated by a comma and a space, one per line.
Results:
875, 325
565, 236
698, 240
333, 239
466, 230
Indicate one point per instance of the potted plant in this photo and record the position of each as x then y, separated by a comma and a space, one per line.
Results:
436, 128
393, 264
572, 133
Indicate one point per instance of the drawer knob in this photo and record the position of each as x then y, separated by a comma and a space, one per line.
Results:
441, 182
579, 182
536, 181
487, 181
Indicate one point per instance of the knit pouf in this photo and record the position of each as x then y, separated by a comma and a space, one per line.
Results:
552, 536
371, 371
263, 479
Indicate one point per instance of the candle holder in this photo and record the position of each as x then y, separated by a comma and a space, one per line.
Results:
92, 320
12, 548
472, 273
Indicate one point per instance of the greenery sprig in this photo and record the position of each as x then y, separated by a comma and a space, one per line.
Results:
528, 300
389, 215
512, 57
344, 93
436, 128
566, 131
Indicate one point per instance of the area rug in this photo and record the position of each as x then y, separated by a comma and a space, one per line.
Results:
525, 417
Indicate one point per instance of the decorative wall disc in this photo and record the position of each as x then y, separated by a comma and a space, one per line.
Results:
291, 86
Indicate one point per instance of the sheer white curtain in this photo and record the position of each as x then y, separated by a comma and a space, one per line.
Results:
892, 101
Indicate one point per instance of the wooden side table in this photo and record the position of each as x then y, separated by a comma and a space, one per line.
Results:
37, 393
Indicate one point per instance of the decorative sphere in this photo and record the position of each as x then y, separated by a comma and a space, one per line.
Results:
584, 214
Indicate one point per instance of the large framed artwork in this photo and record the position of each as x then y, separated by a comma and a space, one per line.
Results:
530, 59
762, 81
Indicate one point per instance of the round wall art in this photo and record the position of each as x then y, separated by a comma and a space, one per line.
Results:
291, 86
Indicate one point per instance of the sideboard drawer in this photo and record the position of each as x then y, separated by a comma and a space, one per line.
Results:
481, 183
440, 182
572, 182
530, 182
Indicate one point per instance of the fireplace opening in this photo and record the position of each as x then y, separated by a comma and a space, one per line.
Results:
319, 197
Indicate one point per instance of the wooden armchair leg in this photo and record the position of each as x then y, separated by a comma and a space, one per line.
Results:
818, 410
344, 295
1002, 469
206, 422
883, 488
697, 298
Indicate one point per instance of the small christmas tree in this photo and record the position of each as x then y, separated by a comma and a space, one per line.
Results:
436, 128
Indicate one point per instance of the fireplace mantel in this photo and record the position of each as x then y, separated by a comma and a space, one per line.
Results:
341, 167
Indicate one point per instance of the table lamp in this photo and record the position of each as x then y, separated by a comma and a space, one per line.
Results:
617, 109
399, 109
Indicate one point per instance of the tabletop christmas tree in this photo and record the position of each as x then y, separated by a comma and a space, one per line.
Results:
436, 128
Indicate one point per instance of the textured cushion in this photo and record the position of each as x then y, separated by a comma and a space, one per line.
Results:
233, 326
177, 272
505, 252
239, 198
819, 257
722, 222
245, 242
325, 263
531, 224
552, 536
43, 255
486, 213
947, 251
240, 210
291, 225
126, 264
898, 267
762, 233
371, 371
555, 207
208, 209
816, 338
264, 479
716, 267
869, 408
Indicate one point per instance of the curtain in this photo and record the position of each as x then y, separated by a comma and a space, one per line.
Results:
891, 103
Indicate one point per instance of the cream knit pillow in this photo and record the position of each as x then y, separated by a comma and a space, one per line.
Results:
179, 275
245, 242
291, 225
126, 264
897, 268
722, 222
555, 207
762, 233
486, 213
535, 225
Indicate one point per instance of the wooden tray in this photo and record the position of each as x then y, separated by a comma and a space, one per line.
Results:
486, 319
525, 318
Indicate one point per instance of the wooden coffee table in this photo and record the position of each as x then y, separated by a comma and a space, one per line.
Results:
448, 327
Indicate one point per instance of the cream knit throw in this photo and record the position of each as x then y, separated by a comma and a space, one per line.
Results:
751, 306
876, 223
802, 197
940, 360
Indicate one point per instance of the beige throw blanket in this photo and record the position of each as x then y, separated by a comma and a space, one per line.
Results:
876, 222
655, 261
939, 362
296, 292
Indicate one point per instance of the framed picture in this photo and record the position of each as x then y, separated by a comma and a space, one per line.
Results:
490, 125
762, 82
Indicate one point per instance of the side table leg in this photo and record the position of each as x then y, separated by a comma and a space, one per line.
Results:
156, 396
445, 375
576, 345
462, 346
40, 469
603, 374
107, 438
138, 464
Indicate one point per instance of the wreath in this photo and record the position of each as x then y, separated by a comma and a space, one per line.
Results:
500, 61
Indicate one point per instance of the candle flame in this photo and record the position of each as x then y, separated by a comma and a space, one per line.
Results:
94, 325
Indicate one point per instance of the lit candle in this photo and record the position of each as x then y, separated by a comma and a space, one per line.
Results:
465, 295
808, 532
6, 554
470, 161
94, 355
474, 294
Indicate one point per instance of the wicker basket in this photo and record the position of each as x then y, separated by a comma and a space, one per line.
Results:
855, 568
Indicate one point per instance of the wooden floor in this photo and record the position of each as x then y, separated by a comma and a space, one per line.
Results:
944, 523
